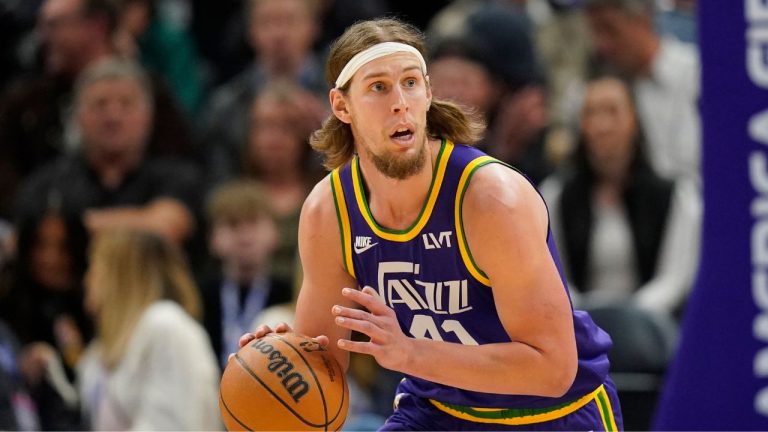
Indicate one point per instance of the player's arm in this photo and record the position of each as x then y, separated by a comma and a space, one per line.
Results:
324, 272
506, 227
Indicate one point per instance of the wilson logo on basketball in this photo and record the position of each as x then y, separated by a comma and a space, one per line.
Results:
279, 365
311, 346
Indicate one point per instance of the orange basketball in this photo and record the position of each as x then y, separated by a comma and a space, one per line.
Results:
283, 381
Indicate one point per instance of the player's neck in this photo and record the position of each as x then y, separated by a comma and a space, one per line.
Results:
395, 204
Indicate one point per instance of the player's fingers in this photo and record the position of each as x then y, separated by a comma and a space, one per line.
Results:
358, 347
377, 320
262, 330
372, 292
322, 340
363, 326
366, 299
244, 339
339, 310
381, 308
282, 328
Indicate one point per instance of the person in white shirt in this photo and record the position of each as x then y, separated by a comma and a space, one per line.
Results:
665, 76
151, 366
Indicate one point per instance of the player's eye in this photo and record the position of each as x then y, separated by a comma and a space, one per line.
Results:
410, 82
377, 86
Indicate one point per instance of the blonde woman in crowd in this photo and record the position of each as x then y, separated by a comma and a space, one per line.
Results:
151, 367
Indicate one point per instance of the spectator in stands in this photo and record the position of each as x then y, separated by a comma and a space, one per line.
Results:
44, 307
162, 47
508, 89
279, 157
33, 112
46, 286
664, 74
281, 33
112, 182
460, 72
625, 234
151, 366
243, 239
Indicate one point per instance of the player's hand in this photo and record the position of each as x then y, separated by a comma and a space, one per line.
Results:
261, 331
264, 330
388, 345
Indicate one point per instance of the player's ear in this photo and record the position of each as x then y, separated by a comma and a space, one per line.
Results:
339, 106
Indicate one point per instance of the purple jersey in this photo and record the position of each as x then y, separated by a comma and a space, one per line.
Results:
427, 275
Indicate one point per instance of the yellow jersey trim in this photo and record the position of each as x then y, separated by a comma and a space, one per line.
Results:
426, 211
466, 255
521, 420
603, 403
343, 219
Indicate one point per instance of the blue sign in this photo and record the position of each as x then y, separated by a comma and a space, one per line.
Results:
719, 379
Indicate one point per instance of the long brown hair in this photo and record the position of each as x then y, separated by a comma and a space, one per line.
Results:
444, 119
137, 269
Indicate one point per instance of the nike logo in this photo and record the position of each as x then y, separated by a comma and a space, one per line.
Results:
362, 244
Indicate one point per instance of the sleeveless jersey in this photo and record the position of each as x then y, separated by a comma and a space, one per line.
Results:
427, 275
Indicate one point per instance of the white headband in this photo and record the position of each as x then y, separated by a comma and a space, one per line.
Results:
372, 53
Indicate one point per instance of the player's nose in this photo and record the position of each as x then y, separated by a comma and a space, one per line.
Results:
400, 103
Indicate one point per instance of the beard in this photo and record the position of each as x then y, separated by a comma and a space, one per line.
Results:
397, 166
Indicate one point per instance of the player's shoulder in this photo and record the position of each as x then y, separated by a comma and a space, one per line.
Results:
319, 205
499, 196
496, 184
319, 226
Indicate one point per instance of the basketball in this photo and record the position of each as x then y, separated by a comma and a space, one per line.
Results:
283, 381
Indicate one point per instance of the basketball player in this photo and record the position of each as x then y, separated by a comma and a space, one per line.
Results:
462, 290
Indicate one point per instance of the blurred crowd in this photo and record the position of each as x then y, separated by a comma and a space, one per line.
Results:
154, 159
